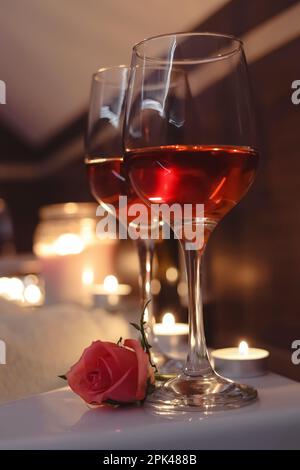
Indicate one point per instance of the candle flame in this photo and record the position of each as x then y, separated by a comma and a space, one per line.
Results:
111, 284
32, 294
68, 244
87, 276
168, 319
243, 348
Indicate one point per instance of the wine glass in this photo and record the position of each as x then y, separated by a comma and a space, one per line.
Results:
104, 163
189, 139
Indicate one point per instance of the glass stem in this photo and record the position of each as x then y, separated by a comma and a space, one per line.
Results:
146, 252
197, 363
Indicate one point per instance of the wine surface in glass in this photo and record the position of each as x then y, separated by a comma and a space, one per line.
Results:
214, 175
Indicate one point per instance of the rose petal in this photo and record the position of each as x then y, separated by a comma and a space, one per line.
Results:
143, 363
94, 351
124, 390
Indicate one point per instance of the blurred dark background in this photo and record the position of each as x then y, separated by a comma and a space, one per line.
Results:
50, 49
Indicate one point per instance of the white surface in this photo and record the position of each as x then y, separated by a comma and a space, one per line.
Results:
60, 420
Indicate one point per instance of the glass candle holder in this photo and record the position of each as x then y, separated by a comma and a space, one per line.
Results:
72, 257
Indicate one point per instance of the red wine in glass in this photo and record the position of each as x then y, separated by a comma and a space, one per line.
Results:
107, 183
214, 175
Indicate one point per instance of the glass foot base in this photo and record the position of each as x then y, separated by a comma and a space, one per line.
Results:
213, 393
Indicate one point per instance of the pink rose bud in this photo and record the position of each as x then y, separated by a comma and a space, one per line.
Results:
107, 371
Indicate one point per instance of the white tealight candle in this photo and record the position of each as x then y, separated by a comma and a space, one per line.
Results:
170, 334
241, 362
169, 327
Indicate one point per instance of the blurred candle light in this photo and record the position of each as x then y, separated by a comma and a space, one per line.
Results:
107, 295
172, 274
155, 287
168, 320
65, 244
32, 294
25, 291
68, 244
3, 284
87, 276
182, 289
68, 248
14, 289
33, 291
111, 284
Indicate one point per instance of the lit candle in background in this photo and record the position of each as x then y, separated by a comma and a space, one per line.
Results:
172, 274
112, 289
155, 287
172, 336
241, 362
107, 295
243, 348
67, 244
25, 291
87, 276
69, 251
111, 284
62, 265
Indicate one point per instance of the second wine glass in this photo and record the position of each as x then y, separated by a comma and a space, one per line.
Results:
104, 162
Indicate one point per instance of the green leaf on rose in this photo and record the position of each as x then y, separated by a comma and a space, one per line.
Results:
136, 326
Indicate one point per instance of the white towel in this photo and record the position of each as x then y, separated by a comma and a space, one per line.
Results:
43, 343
